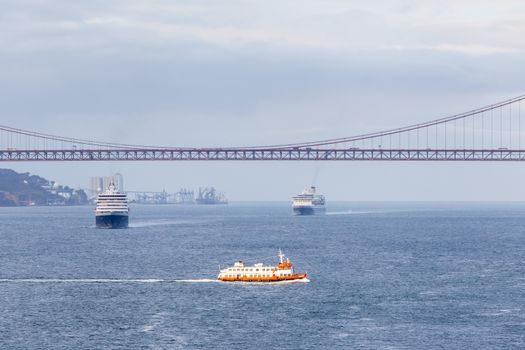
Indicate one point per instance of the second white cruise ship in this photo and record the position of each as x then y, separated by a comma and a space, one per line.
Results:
308, 203
112, 208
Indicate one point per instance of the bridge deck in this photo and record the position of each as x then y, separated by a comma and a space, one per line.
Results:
223, 154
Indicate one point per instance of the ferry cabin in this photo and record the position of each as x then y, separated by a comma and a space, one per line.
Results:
257, 271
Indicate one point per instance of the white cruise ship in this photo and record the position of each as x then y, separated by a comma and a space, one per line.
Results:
308, 202
112, 208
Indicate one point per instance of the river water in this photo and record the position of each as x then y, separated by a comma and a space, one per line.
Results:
382, 276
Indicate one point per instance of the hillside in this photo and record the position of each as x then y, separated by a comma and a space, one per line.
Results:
23, 189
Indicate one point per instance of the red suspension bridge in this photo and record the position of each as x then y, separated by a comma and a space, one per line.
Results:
490, 133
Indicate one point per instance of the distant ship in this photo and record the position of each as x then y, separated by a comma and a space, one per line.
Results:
112, 208
283, 271
308, 203
208, 195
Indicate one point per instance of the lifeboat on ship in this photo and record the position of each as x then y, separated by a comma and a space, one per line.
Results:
239, 272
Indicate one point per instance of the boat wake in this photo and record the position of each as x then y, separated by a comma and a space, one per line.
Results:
197, 280
348, 212
141, 224
81, 280
302, 280
134, 280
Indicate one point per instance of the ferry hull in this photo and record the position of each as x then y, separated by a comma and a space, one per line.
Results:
112, 221
262, 279
308, 210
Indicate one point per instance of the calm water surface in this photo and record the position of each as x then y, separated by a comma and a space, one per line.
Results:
383, 276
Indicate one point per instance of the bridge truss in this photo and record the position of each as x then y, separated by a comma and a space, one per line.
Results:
322, 154
491, 133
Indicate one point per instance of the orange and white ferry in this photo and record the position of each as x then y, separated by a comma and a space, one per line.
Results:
283, 271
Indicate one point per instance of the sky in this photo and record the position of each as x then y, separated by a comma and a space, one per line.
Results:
207, 73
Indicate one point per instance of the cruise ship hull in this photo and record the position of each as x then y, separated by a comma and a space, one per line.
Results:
308, 210
112, 221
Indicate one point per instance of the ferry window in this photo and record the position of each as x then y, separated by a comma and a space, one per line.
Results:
256, 269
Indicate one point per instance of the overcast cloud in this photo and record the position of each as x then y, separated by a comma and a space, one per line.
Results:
212, 73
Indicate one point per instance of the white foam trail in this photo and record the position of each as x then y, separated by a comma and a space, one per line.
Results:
81, 280
159, 223
197, 280
302, 280
136, 280
348, 212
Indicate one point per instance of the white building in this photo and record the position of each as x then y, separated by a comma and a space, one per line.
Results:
118, 180
100, 184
